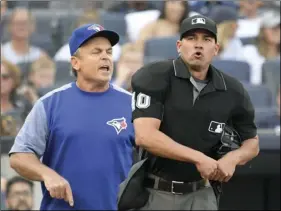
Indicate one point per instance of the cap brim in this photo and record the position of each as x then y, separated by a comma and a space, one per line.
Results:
198, 27
112, 36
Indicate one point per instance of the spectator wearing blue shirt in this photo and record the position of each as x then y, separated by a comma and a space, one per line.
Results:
81, 132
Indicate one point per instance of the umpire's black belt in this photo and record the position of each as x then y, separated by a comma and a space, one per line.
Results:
175, 187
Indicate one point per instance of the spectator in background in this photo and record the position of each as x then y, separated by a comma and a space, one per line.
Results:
41, 75
3, 11
267, 45
3, 7
19, 50
131, 59
10, 81
14, 107
131, 6
167, 24
19, 194
63, 54
249, 22
231, 47
205, 7
272, 122
3, 192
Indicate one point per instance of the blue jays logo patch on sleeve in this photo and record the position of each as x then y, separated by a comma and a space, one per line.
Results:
118, 124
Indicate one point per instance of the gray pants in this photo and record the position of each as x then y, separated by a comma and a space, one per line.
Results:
203, 199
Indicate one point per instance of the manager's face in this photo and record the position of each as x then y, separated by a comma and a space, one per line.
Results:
94, 61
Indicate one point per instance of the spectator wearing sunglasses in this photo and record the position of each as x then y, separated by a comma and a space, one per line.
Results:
13, 107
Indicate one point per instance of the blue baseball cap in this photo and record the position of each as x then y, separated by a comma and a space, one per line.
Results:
85, 32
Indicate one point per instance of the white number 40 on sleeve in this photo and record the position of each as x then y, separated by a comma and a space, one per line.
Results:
140, 101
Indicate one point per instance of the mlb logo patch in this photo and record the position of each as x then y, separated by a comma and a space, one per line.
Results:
216, 127
198, 21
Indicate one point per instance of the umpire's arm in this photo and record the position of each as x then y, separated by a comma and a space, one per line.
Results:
243, 121
149, 88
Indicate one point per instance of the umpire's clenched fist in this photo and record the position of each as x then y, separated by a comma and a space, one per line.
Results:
58, 187
206, 166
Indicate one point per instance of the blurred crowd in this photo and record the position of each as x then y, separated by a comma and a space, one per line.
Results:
35, 57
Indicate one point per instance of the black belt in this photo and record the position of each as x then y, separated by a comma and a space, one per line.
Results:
175, 187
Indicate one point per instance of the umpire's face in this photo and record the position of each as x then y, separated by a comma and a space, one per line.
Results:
197, 48
93, 61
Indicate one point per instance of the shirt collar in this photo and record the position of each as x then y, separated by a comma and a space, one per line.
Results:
181, 71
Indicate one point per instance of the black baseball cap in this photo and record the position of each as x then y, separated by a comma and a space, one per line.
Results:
198, 22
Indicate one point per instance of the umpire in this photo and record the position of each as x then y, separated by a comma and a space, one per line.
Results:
180, 110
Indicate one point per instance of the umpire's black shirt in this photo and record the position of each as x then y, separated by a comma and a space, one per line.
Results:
164, 90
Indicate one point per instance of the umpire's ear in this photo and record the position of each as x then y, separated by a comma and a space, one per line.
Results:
178, 44
217, 48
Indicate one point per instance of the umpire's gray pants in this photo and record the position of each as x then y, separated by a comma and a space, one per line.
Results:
203, 199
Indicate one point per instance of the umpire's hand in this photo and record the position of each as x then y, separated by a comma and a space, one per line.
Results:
207, 167
58, 187
226, 168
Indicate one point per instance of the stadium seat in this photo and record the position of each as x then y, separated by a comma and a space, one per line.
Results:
66, 24
271, 75
43, 41
33, 4
45, 90
160, 48
263, 113
44, 20
237, 69
115, 22
63, 73
158, 4
248, 40
260, 95
24, 67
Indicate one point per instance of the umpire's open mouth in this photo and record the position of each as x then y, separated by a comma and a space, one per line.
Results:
198, 55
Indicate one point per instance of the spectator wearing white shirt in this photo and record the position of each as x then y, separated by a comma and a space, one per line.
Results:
267, 45
249, 24
168, 23
131, 59
231, 47
18, 49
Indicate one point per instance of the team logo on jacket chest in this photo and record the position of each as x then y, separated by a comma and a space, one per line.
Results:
118, 124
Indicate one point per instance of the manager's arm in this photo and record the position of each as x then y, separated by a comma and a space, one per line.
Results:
29, 146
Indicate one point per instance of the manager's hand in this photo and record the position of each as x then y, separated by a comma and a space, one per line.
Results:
58, 187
